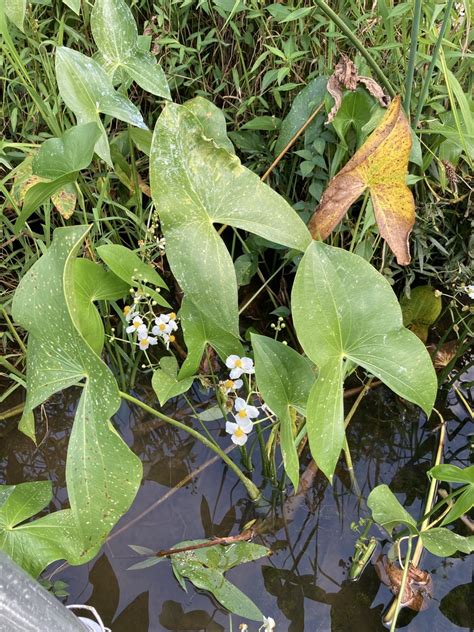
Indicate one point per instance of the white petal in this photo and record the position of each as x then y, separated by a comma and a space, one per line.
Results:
156, 331
237, 384
245, 423
230, 427
252, 411
240, 404
152, 341
247, 364
231, 360
142, 332
235, 373
130, 329
239, 440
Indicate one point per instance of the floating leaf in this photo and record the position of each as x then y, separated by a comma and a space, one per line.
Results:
93, 283
345, 311
284, 378
205, 568
387, 511
421, 309
165, 380
196, 184
102, 474
115, 33
381, 166
72, 152
87, 90
305, 103
130, 268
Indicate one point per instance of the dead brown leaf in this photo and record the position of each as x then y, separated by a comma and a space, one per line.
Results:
381, 166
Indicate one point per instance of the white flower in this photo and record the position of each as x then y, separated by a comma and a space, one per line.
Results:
167, 339
232, 385
470, 291
268, 624
145, 342
165, 324
136, 326
238, 431
239, 365
245, 413
129, 313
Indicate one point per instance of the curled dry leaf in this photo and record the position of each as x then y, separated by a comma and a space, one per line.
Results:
381, 166
345, 77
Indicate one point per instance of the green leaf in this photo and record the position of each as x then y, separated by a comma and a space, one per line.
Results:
102, 474
443, 542
196, 184
284, 378
205, 568
212, 120
165, 381
464, 503
130, 268
200, 331
355, 111
305, 103
115, 33
387, 511
35, 544
93, 283
38, 194
15, 11
142, 139
453, 474
345, 311
421, 309
75, 5
72, 152
87, 90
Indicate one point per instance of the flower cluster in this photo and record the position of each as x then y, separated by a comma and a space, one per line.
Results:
244, 413
163, 329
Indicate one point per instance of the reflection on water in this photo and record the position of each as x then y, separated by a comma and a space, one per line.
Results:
304, 585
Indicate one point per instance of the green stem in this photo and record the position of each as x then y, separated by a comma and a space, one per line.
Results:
411, 61
434, 59
251, 488
12, 329
357, 43
398, 603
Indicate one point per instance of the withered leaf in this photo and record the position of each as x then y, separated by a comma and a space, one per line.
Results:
381, 166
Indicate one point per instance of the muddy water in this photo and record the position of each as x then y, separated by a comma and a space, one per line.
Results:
304, 585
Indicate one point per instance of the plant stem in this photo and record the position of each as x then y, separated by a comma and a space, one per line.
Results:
434, 59
13, 331
401, 592
357, 43
411, 61
251, 488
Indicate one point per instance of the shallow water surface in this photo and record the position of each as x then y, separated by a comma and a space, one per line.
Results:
187, 494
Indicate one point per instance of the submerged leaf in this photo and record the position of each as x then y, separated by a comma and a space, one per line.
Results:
381, 166
205, 568
421, 309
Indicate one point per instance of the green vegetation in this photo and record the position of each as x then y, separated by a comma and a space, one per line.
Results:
161, 164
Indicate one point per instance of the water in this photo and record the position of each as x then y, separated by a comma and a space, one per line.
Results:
304, 585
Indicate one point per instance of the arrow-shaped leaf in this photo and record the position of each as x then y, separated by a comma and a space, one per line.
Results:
102, 474
87, 90
381, 166
345, 311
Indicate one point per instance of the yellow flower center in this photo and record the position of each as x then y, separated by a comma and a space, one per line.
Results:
162, 326
238, 363
172, 338
229, 383
126, 309
172, 316
239, 432
136, 324
242, 413
144, 342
